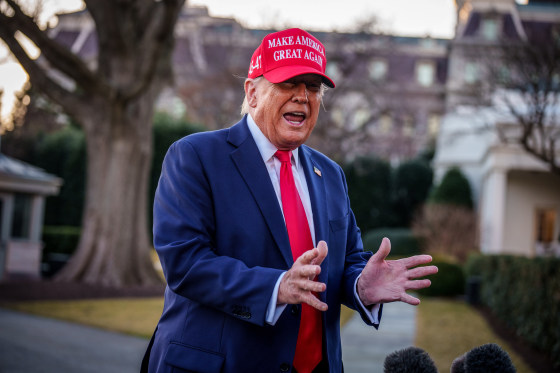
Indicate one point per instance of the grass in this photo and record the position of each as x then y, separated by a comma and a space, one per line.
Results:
447, 329
135, 316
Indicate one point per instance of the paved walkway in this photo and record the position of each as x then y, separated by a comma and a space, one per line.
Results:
33, 344
364, 349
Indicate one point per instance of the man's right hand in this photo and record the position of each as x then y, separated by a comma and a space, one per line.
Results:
297, 285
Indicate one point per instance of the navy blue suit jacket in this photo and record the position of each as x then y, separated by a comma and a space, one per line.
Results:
221, 237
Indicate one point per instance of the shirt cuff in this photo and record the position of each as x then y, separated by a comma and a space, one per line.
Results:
274, 310
372, 312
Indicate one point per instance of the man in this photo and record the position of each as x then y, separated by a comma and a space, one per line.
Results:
256, 237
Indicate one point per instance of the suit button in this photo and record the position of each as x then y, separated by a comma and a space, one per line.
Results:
284, 367
295, 309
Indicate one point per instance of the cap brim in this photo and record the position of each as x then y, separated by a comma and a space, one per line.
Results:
284, 73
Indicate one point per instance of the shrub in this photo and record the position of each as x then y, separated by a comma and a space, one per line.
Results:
447, 229
403, 242
525, 294
448, 282
60, 243
369, 190
454, 189
412, 181
63, 153
60, 239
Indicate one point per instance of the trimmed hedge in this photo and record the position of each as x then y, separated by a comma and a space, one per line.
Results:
525, 294
454, 189
448, 282
60, 239
60, 243
403, 241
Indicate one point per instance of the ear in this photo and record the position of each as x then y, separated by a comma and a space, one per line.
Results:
251, 93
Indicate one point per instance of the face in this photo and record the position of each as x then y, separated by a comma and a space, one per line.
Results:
285, 112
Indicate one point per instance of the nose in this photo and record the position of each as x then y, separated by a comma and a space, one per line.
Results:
300, 93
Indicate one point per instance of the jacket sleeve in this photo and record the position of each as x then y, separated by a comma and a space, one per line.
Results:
184, 231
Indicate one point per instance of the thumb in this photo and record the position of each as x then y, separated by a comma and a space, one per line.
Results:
383, 251
323, 251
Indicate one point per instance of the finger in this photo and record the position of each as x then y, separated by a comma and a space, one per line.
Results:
314, 302
417, 284
383, 251
309, 271
422, 271
322, 251
308, 256
407, 298
313, 286
415, 260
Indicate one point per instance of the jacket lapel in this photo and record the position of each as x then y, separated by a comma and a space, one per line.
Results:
249, 163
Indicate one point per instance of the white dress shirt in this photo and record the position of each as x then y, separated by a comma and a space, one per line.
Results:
273, 165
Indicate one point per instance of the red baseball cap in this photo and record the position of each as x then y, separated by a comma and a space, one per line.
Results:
285, 54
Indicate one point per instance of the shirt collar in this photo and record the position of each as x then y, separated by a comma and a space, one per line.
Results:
266, 148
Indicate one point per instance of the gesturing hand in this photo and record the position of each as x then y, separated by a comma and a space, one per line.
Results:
297, 285
384, 281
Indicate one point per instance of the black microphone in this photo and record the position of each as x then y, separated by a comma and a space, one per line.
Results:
409, 360
458, 365
486, 358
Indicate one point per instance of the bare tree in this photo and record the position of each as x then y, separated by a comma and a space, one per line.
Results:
113, 102
524, 78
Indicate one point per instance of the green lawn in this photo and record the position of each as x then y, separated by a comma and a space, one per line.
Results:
136, 316
445, 329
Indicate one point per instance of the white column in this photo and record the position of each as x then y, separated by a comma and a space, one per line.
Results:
36, 223
493, 212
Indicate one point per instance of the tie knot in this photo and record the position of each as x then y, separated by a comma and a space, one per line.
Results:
284, 155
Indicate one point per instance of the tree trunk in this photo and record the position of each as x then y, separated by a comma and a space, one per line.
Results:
114, 248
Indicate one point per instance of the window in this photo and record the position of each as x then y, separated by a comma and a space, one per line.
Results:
471, 72
408, 125
425, 72
546, 223
378, 70
385, 123
433, 125
490, 29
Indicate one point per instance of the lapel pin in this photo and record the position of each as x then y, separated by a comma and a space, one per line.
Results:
317, 171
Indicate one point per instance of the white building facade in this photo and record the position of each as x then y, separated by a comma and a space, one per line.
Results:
517, 197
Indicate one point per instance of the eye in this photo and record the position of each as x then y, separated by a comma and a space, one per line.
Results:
313, 87
287, 85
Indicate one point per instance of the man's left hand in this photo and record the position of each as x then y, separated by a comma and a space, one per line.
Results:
384, 281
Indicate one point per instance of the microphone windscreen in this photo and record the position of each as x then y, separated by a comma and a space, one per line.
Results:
458, 365
409, 360
488, 358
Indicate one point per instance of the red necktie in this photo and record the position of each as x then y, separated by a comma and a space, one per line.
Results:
308, 348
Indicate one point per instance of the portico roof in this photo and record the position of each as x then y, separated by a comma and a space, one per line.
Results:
18, 176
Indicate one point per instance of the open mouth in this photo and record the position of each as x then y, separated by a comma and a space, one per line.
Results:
295, 117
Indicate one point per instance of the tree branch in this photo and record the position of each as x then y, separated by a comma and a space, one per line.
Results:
58, 56
157, 37
118, 29
39, 77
